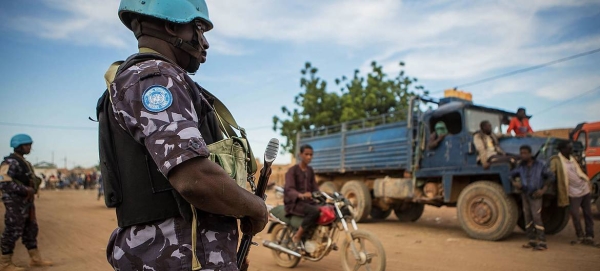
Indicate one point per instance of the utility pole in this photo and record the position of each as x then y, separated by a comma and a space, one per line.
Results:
52, 157
65, 162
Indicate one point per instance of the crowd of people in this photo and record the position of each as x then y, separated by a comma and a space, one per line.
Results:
70, 181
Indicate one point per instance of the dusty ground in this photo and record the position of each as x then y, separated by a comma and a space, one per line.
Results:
74, 228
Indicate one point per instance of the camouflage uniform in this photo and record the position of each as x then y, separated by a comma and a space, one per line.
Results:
171, 137
19, 218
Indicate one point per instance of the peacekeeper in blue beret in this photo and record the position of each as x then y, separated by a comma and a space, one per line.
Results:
18, 184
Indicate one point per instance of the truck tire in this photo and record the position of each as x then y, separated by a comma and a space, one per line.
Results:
359, 196
328, 187
378, 213
555, 218
485, 212
410, 213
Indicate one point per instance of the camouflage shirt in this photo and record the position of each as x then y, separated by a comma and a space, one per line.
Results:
151, 101
11, 190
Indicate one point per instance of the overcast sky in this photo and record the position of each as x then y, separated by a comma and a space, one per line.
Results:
55, 52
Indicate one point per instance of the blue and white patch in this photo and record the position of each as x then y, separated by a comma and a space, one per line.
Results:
157, 98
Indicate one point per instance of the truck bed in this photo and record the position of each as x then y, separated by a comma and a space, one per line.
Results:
379, 148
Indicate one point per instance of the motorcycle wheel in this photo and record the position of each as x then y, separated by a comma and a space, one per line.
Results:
370, 252
283, 259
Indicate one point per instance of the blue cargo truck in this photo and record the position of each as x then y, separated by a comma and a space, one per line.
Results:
382, 165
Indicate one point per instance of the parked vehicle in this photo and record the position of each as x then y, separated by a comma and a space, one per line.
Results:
382, 165
360, 250
588, 134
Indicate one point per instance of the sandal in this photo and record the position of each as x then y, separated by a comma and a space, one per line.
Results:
530, 244
540, 247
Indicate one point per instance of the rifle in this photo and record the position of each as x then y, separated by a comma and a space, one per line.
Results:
265, 173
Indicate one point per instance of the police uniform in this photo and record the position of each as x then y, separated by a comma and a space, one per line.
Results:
19, 219
163, 110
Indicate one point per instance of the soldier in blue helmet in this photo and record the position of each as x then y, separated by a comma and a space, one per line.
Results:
18, 186
176, 210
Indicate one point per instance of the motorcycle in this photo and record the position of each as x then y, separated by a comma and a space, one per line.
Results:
360, 249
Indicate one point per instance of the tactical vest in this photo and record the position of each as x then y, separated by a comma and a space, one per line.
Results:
132, 182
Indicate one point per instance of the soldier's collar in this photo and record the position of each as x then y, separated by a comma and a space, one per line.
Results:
18, 155
145, 50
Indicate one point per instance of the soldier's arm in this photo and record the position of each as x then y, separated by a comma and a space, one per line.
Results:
208, 187
9, 169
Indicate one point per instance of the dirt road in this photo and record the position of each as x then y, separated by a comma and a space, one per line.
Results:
74, 229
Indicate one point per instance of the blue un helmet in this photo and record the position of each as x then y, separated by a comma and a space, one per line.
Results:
20, 139
176, 11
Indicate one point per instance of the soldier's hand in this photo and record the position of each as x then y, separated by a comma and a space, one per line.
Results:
30, 192
256, 223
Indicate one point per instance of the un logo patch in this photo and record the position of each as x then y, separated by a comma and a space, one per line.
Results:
157, 98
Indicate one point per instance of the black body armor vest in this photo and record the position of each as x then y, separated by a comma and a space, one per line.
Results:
132, 182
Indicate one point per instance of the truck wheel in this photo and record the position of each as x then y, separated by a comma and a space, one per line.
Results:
378, 213
555, 218
328, 187
410, 212
358, 194
486, 212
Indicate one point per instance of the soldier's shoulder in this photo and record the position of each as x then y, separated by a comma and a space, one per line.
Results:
141, 76
10, 161
153, 67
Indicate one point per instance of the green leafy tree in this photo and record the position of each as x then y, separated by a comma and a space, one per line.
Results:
316, 108
376, 95
359, 98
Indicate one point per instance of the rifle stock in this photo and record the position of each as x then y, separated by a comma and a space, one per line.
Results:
261, 187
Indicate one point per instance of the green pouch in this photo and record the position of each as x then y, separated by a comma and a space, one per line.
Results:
230, 154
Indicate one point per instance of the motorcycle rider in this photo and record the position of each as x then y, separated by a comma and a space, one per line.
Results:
299, 184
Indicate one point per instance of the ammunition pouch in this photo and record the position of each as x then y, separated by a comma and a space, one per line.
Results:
231, 155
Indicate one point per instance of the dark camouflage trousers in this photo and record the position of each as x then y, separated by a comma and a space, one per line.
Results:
18, 225
166, 245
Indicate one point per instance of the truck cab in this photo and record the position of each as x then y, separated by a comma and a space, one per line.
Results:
453, 167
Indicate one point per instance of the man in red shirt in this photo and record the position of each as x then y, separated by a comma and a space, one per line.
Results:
520, 124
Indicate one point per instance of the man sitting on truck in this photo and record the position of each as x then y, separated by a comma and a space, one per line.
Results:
297, 195
437, 136
535, 179
488, 149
